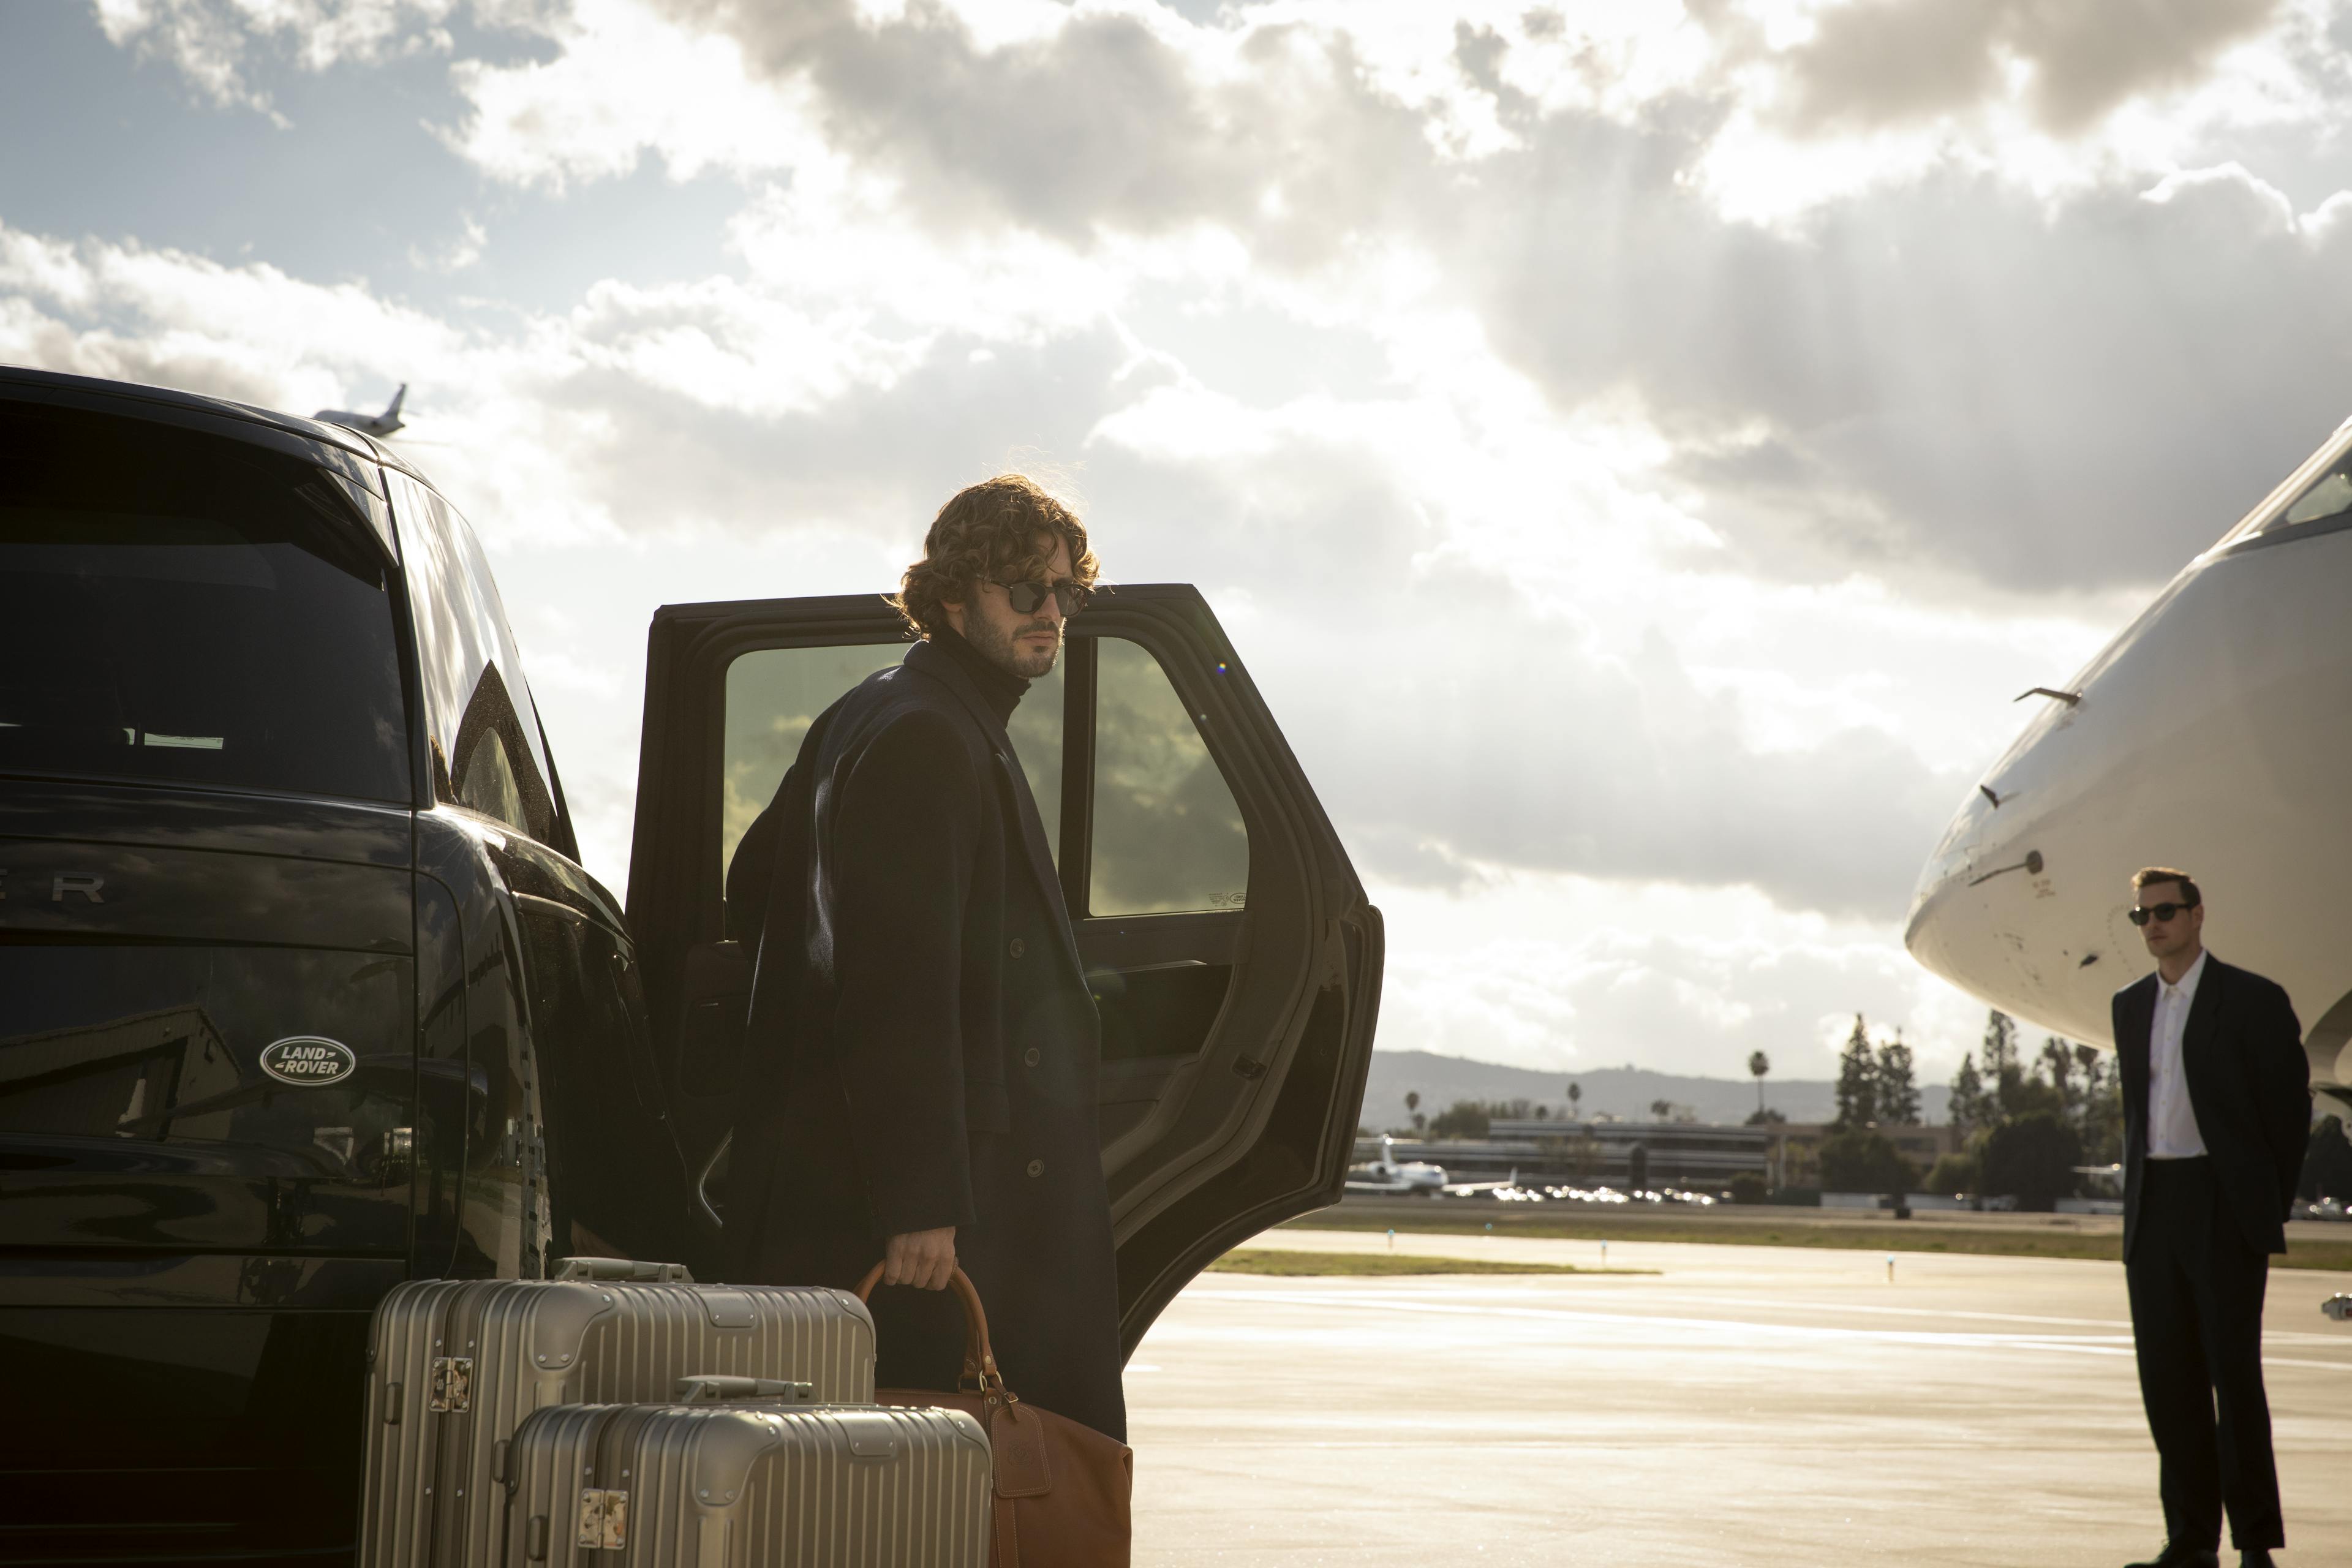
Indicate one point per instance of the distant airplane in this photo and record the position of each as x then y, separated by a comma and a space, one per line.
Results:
2209, 735
1473, 1189
383, 423
1394, 1177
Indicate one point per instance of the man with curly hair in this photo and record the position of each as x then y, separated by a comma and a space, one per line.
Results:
923, 1049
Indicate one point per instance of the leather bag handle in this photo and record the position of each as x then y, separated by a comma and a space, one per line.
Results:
978, 1352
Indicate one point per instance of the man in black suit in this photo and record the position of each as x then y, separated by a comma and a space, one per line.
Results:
2217, 1104
923, 1050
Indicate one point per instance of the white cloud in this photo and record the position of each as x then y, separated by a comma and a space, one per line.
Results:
459, 254
626, 81
216, 43
1639, 449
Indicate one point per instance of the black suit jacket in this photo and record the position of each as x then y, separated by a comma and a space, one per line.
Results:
2248, 1084
922, 1049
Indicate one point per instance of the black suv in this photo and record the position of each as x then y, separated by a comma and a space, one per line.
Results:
303, 991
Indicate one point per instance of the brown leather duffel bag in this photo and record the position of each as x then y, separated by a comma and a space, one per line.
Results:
1061, 1487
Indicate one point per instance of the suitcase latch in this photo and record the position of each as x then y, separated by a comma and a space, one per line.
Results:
603, 1519
453, 1383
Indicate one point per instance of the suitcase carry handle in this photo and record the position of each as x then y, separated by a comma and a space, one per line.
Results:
709, 1388
622, 1271
980, 1356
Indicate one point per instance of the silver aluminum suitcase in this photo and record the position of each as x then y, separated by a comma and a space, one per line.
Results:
454, 1365
748, 1485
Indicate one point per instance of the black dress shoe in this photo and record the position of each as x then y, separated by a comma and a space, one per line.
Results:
2255, 1557
2183, 1557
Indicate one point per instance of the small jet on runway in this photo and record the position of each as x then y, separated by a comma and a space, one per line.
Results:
1388, 1176
1483, 1189
383, 423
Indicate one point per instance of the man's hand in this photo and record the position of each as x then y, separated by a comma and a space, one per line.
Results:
925, 1258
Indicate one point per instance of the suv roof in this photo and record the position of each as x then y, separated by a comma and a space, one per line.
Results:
19, 378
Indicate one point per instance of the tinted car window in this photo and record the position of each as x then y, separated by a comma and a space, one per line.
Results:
185, 609
1167, 833
774, 694
483, 730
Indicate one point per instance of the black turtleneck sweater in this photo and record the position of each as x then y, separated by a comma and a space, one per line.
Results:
999, 688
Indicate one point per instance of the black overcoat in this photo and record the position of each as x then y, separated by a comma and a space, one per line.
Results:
2248, 1084
922, 1049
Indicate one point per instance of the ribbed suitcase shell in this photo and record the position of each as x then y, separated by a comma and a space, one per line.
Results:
431, 1499
748, 1486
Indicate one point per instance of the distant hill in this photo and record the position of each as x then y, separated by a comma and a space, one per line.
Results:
1625, 1092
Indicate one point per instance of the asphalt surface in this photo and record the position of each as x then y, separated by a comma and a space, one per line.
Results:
1746, 1406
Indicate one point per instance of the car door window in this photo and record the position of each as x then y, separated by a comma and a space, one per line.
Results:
1168, 835
774, 694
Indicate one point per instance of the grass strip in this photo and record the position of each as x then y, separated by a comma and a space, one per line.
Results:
1271, 1260
1860, 1236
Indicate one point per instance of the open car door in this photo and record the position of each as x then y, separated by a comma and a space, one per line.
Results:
1229, 945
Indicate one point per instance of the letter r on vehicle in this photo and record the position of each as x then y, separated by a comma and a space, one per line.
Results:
88, 886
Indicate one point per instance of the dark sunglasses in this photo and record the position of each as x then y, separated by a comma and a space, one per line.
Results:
1029, 597
2158, 912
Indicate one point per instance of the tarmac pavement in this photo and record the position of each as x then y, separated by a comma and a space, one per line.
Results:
1745, 1406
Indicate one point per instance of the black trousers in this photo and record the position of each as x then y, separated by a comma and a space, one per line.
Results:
2196, 1318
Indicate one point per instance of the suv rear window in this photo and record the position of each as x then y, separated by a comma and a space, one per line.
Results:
186, 609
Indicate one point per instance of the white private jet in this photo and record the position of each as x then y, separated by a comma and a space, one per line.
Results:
1481, 1189
383, 423
2210, 734
1394, 1178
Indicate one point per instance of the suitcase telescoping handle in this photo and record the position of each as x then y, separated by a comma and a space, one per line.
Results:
622, 1271
707, 1388
980, 1356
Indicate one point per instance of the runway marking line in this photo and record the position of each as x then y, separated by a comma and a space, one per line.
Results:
2270, 1336
2073, 1344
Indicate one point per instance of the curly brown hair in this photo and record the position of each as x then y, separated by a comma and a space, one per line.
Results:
997, 529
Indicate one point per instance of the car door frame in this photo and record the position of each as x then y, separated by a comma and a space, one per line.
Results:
1256, 1127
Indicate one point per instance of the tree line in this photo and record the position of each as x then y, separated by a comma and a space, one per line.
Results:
1472, 1119
2023, 1124
1876, 1085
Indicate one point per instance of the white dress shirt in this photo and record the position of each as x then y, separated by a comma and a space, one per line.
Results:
2171, 1121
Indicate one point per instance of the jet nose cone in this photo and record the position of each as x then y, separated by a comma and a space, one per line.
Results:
2013, 907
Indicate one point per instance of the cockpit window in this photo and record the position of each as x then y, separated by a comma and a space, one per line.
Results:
2330, 494
2320, 492
183, 609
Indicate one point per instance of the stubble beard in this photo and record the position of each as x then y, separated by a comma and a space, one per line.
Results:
1001, 647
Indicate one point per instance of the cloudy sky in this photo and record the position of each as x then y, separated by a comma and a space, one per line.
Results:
1638, 450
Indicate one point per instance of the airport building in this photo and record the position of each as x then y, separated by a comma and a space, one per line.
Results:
1597, 1153
1696, 1155
1797, 1149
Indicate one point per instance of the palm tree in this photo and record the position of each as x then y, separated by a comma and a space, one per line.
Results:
1758, 1063
1575, 1093
1412, 1101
